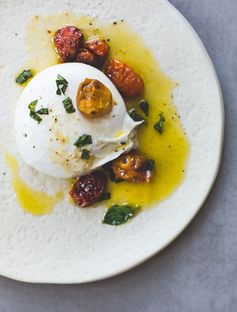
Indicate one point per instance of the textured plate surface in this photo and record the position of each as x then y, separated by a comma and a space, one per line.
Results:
71, 245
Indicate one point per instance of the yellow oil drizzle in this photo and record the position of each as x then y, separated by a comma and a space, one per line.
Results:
32, 201
169, 150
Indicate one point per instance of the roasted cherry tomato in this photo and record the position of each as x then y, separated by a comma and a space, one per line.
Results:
68, 40
87, 57
88, 189
99, 48
94, 99
131, 167
125, 79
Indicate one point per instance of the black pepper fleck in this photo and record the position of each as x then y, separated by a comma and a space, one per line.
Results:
4, 173
33, 146
114, 23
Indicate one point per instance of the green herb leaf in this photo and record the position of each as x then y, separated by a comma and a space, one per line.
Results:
32, 105
144, 106
150, 165
35, 116
159, 126
135, 116
67, 103
105, 196
43, 111
119, 214
84, 139
62, 85
113, 177
85, 154
24, 76
108, 167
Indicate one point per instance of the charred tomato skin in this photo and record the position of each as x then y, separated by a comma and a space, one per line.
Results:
68, 40
129, 83
88, 189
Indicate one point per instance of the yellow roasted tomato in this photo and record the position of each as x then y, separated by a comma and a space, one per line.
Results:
94, 100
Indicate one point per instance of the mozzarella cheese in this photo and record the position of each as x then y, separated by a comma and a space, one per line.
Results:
48, 146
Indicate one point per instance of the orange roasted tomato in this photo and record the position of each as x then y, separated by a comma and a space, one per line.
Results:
129, 83
94, 99
131, 167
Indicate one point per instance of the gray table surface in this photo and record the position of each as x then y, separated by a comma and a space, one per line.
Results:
198, 272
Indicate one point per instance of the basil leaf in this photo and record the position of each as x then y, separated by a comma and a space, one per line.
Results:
144, 106
64, 88
108, 167
24, 76
32, 105
85, 154
84, 139
61, 84
159, 126
67, 103
135, 116
43, 111
35, 116
118, 214
113, 177
105, 196
150, 165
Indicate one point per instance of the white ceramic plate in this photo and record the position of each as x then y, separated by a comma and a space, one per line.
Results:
71, 245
